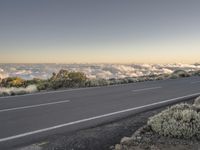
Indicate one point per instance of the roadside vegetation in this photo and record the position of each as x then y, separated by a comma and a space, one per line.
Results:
177, 127
18, 91
67, 79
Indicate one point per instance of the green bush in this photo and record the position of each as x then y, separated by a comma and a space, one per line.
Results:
43, 85
12, 82
66, 79
179, 121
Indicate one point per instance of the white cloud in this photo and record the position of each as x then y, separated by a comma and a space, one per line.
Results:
93, 71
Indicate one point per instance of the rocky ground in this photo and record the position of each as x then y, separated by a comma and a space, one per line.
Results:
145, 139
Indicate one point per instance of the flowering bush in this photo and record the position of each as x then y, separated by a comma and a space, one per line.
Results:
179, 121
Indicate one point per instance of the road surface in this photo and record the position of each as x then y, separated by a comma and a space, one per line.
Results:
26, 118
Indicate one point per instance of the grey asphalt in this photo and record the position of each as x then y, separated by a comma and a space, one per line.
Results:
24, 119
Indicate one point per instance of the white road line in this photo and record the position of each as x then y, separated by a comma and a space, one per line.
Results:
33, 106
93, 118
146, 89
195, 82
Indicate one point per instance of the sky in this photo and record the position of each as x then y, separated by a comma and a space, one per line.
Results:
99, 31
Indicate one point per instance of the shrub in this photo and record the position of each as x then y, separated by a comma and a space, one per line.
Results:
179, 73
13, 82
67, 79
196, 73
43, 85
179, 121
17, 91
33, 81
131, 79
197, 102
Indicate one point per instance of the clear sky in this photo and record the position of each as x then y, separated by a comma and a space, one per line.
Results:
94, 31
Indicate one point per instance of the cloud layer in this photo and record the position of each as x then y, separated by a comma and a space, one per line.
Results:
29, 71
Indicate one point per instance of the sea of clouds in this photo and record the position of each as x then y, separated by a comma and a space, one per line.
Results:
44, 71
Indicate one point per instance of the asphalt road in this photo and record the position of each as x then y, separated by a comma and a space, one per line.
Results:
28, 118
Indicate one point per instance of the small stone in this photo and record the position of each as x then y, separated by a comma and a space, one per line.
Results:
126, 140
146, 140
112, 147
153, 147
118, 147
134, 138
138, 138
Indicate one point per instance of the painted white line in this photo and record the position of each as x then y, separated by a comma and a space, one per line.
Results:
195, 82
94, 118
33, 106
146, 89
